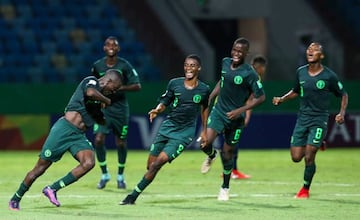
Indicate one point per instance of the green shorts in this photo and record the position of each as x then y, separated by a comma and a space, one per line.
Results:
172, 147
119, 126
221, 124
311, 132
64, 137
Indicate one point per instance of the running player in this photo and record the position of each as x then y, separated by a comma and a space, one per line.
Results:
238, 82
187, 96
314, 84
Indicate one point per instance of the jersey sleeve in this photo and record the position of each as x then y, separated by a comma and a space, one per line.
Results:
169, 95
91, 82
94, 71
336, 87
256, 85
205, 101
130, 74
296, 87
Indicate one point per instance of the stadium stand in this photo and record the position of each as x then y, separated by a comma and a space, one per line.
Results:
47, 41
342, 16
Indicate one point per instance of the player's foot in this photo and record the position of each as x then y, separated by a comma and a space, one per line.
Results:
14, 205
223, 194
129, 200
206, 165
104, 179
51, 194
302, 194
235, 174
323, 146
121, 184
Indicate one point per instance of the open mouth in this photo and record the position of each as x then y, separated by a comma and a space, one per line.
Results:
189, 74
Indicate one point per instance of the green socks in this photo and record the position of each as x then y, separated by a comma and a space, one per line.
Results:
209, 150
20, 192
101, 157
61, 183
308, 175
122, 153
140, 187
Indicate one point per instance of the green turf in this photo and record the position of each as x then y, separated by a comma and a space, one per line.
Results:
180, 191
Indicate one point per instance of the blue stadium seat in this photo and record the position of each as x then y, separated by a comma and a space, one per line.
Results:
42, 28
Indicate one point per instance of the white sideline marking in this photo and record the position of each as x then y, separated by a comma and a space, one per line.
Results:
245, 195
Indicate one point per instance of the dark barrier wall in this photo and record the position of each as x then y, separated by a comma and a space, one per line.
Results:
52, 98
265, 131
28, 111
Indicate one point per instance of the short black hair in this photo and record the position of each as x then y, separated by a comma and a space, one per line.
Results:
114, 74
112, 38
242, 40
259, 59
195, 57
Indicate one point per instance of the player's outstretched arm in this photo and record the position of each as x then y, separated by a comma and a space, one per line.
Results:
290, 95
154, 112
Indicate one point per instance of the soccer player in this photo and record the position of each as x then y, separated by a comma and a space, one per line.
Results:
68, 134
187, 96
314, 84
117, 115
259, 64
238, 82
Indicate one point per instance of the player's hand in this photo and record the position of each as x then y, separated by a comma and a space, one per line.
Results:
234, 114
202, 139
153, 114
277, 100
339, 118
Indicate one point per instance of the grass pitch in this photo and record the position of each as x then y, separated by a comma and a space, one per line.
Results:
180, 191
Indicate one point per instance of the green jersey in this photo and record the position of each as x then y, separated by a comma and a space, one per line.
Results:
128, 75
315, 91
185, 107
88, 109
236, 86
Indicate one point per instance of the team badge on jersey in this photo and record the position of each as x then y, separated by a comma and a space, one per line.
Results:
238, 80
197, 98
320, 84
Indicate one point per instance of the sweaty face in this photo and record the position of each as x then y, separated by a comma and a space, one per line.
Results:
238, 53
314, 53
191, 68
111, 47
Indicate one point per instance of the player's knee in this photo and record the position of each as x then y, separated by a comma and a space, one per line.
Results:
99, 142
156, 166
296, 158
226, 156
120, 143
88, 164
309, 160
